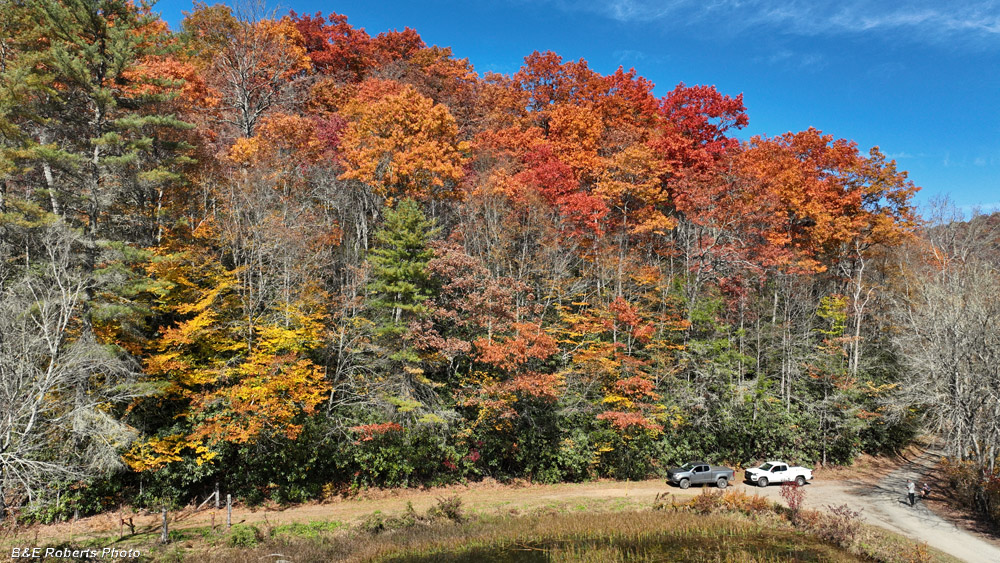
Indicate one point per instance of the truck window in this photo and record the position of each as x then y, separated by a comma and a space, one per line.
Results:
701, 469
781, 467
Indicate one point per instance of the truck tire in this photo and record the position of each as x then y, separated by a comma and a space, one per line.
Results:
684, 483
762, 482
800, 480
722, 482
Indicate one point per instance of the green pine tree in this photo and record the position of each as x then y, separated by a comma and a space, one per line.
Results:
104, 136
400, 281
399, 288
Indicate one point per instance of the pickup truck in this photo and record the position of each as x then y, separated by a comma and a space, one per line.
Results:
778, 472
699, 472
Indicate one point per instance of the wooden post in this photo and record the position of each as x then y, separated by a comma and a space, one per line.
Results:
164, 533
216, 495
229, 511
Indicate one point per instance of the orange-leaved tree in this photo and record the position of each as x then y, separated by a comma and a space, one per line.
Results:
401, 143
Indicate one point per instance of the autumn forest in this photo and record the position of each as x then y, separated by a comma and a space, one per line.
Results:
277, 254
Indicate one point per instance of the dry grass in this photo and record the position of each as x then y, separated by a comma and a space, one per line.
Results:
624, 536
870, 469
730, 526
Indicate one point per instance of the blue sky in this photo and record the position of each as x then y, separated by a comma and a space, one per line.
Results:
917, 78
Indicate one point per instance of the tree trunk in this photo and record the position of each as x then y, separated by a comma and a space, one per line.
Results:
3, 492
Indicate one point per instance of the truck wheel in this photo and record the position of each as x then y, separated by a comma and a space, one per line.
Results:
684, 483
762, 482
722, 482
800, 480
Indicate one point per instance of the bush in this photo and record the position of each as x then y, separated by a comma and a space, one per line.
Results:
841, 526
976, 488
376, 522
242, 535
748, 504
707, 502
448, 507
710, 502
794, 495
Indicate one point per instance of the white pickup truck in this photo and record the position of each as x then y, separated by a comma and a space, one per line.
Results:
777, 472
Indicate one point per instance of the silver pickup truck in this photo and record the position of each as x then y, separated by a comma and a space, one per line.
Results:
699, 472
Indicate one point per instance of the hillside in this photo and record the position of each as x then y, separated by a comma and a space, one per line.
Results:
281, 258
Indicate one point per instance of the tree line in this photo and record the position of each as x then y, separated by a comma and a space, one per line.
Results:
276, 252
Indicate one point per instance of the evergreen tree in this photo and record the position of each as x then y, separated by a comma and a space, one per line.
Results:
399, 288
105, 136
400, 280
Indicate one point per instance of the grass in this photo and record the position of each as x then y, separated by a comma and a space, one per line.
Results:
729, 526
627, 536
724, 527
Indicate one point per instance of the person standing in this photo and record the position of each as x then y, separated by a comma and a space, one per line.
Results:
911, 491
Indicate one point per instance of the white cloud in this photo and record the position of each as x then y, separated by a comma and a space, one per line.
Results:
625, 56
794, 60
918, 18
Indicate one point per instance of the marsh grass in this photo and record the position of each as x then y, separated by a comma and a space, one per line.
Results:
626, 536
715, 526
607, 536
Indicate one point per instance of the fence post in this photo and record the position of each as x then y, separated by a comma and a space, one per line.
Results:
216, 495
164, 533
229, 511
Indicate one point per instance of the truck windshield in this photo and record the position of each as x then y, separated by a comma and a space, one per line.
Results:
766, 467
687, 466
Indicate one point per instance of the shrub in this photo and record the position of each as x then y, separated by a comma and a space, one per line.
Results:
710, 502
748, 504
707, 502
918, 554
242, 535
448, 507
660, 502
794, 495
809, 519
377, 522
841, 526
976, 488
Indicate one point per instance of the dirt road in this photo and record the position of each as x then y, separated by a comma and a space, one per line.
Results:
884, 504
881, 500
890, 509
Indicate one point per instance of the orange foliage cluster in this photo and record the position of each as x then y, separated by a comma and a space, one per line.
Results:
369, 432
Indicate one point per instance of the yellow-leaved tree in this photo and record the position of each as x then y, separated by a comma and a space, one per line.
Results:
218, 382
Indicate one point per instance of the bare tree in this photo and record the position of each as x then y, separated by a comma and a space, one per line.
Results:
252, 60
949, 333
56, 380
